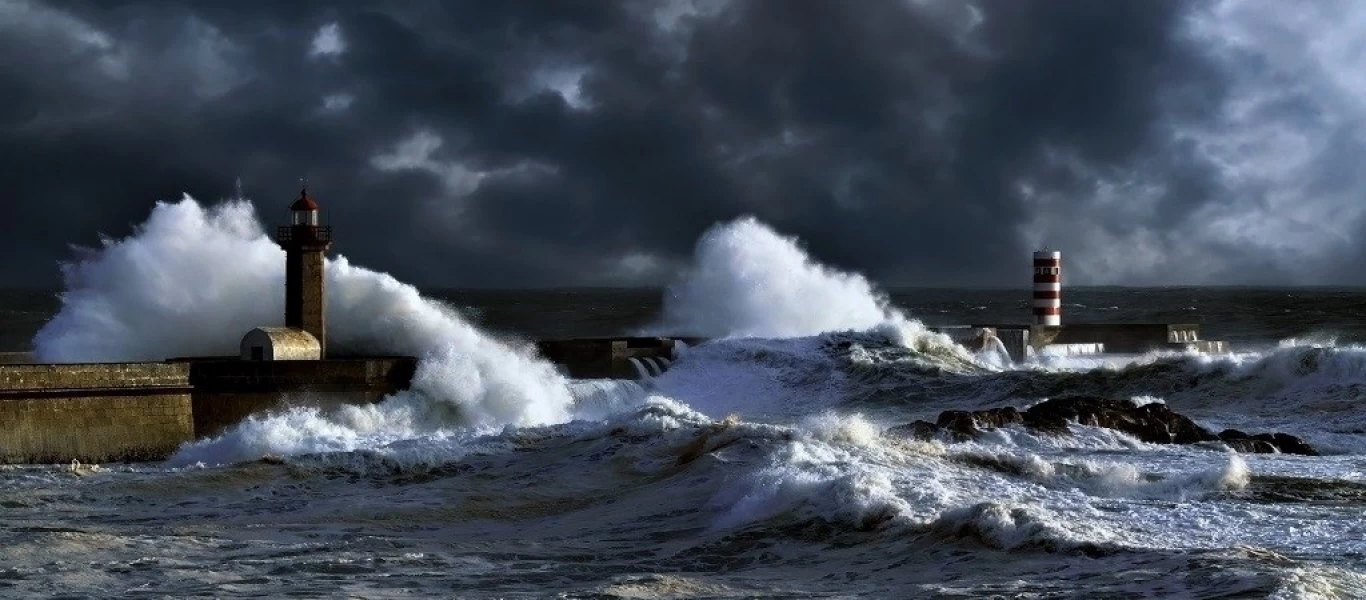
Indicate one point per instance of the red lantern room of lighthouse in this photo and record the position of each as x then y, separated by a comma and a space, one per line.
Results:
305, 210
305, 242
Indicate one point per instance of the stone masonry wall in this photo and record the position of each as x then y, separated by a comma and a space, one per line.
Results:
94, 429
93, 412
93, 376
54, 413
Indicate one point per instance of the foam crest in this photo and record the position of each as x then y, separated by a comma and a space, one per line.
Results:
802, 485
487, 381
1320, 583
747, 280
852, 430
821, 470
302, 430
1287, 384
1018, 527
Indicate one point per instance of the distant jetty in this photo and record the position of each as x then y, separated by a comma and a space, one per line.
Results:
1047, 335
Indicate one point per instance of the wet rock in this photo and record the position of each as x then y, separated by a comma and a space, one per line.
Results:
1290, 444
1251, 446
958, 422
1233, 434
999, 417
965, 424
1266, 443
919, 430
1154, 423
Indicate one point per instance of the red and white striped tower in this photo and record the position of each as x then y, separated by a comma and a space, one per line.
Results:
1048, 288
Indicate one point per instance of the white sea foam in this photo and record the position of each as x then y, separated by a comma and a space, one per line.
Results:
749, 281
1320, 583
817, 474
1007, 527
191, 281
1297, 386
1125, 480
755, 378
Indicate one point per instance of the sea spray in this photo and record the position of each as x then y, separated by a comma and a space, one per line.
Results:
748, 281
191, 281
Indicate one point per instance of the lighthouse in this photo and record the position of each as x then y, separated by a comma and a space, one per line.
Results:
305, 241
1048, 288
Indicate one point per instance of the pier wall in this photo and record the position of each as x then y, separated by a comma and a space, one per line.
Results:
1124, 337
54, 413
593, 358
1087, 338
93, 412
226, 391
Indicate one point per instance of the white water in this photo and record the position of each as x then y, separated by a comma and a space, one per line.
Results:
191, 281
748, 281
646, 461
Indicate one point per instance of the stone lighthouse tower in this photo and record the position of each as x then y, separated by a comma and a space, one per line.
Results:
305, 241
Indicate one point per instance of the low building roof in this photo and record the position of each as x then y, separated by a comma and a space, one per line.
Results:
287, 335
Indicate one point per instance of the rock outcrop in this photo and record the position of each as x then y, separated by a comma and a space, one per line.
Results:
1154, 423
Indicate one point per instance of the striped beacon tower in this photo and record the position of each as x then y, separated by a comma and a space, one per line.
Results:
1048, 288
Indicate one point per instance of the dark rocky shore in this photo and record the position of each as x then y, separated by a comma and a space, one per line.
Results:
1154, 423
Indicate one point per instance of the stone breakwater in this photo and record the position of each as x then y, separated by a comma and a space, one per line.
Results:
144, 411
105, 412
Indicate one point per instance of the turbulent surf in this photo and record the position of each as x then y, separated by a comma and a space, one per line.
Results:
765, 463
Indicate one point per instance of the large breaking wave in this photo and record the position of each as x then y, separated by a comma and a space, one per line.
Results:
748, 281
191, 280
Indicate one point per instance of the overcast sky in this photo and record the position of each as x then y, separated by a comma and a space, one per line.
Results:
511, 143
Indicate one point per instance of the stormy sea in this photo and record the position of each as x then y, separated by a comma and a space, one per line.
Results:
767, 462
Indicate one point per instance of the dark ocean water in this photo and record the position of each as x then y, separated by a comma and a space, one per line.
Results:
1241, 315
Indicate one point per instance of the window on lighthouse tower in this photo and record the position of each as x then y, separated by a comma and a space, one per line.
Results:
306, 217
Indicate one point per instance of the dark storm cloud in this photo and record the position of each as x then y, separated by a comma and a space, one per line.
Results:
589, 142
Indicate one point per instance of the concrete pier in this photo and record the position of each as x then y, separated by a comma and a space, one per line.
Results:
1022, 341
94, 412
144, 411
226, 391
107, 412
616, 358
